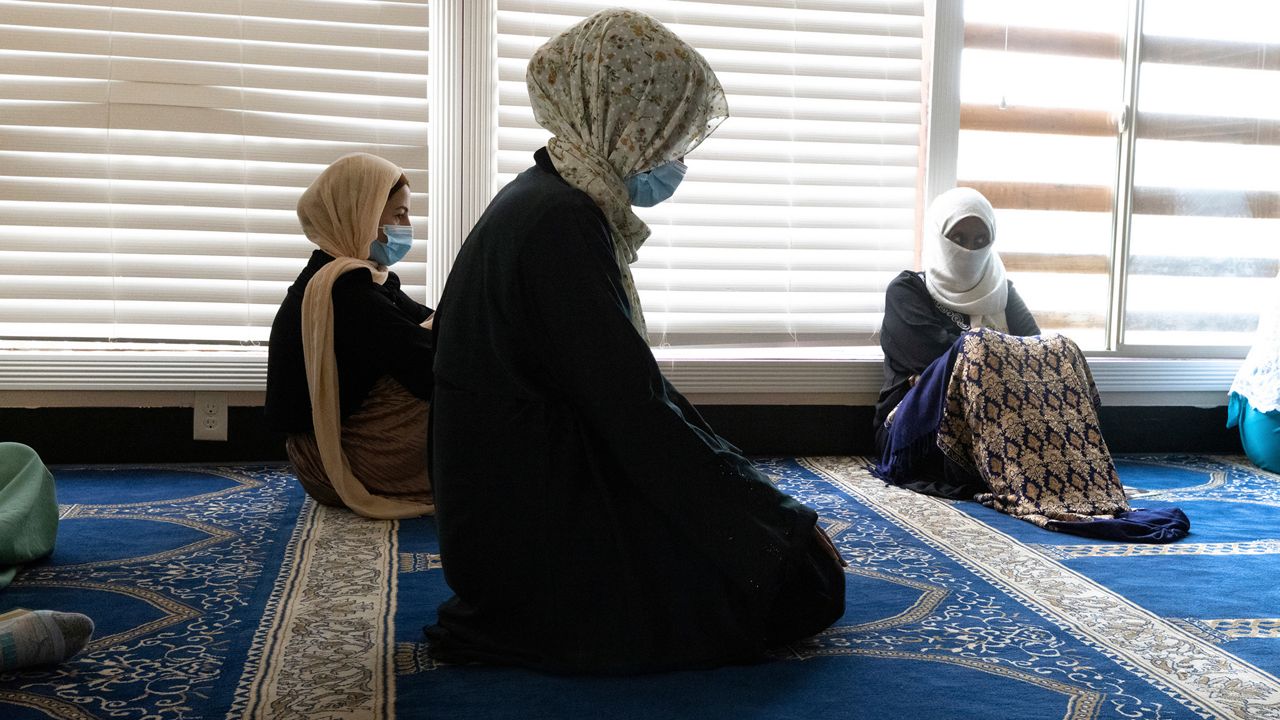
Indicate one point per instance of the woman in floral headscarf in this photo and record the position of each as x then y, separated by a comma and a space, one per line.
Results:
590, 520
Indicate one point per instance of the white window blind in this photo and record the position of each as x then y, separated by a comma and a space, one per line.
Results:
152, 153
1203, 250
1150, 236
1041, 88
801, 207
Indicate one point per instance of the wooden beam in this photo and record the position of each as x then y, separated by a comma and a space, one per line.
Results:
1049, 121
1043, 41
1056, 263
1155, 48
1050, 320
1044, 196
1207, 128
1210, 53
1194, 202
1188, 266
1183, 202
1098, 123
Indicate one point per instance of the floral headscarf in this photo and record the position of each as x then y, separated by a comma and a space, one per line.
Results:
339, 212
967, 281
621, 94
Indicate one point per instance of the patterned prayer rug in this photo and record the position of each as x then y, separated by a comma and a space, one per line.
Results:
218, 592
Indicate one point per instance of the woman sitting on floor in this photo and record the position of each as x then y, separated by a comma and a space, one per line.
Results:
28, 530
590, 520
976, 405
1254, 401
962, 287
349, 365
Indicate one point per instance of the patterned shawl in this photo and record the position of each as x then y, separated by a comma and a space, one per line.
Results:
1023, 413
967, 281
340, 213
621, 94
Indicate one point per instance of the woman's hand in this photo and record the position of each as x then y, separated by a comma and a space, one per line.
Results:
828, 545
429, 321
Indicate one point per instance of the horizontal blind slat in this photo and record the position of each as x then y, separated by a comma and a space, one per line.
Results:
800, 208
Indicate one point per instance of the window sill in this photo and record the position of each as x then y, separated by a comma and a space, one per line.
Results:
31, 378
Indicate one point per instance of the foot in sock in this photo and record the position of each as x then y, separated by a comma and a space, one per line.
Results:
41, 637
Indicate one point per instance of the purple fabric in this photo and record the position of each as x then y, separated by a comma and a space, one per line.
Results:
1150, 525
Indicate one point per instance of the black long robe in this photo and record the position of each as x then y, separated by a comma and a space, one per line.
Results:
377, 331
589, 519
915, 332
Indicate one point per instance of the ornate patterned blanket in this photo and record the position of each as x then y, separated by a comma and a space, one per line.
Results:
1023, 413
219, 592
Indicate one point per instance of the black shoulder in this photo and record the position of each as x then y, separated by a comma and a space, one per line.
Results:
907, 282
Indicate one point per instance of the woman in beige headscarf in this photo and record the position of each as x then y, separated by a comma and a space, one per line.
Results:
590, 520
349, 368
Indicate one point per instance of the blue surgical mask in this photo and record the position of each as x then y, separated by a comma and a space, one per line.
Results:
649, 188
399, 240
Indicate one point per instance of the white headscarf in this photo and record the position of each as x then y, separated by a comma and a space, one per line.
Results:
966, 281
621, 94
340, 214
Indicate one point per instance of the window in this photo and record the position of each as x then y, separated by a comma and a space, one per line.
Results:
152, 153
801, 207
1132, 170
1202, 245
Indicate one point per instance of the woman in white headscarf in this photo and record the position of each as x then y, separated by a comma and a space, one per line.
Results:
590, 520
962, 287
974, 407
349, 364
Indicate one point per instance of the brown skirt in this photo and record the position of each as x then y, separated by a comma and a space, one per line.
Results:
386, 445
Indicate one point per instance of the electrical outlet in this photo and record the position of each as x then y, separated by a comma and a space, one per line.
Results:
209, 416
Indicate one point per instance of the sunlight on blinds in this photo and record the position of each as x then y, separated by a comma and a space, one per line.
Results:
1041, 87
152, 152
1203, 255
800, 208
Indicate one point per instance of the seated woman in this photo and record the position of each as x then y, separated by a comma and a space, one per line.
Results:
28, 530
349, 365
1254, 401
590, 520
962, 287
976, 406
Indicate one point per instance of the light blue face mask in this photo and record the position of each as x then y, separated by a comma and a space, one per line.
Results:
651, 187
399, 240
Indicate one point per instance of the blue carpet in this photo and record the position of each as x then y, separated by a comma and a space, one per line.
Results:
219, 593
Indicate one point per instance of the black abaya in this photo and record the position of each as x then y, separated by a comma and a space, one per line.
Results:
590, 520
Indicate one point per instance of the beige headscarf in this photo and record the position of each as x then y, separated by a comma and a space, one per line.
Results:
621, 94
966, 281
340, 214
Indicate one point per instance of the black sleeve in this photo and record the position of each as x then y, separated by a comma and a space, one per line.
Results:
394, 339
1018, 316
605, 369
911, 335
414, 309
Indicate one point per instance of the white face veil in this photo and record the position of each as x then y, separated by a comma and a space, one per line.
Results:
621, 94
971, 282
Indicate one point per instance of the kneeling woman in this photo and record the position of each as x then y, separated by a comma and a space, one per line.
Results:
590, 520
349, 365
976, 405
